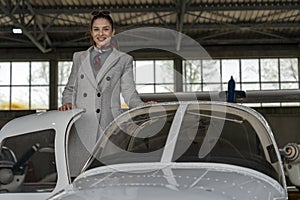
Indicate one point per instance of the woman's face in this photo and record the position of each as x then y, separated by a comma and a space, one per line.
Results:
101, 32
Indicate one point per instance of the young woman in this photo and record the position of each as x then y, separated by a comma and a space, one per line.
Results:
99, 75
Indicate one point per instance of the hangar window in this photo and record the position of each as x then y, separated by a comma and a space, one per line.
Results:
154, 76
255, 74
24, 85
249, 74
27, 162
151, 76
64, 70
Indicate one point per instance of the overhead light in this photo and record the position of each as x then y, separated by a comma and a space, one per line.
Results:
17, 31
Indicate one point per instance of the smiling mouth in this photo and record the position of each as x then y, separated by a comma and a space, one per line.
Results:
100, 39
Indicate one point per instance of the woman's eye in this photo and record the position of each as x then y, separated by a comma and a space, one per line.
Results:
105, 29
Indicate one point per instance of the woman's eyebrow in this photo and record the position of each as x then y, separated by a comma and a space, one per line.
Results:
101, 27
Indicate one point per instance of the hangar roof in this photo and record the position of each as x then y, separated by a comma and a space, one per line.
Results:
49, 25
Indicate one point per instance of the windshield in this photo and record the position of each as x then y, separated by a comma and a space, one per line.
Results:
202, 133
222, 137
135, 137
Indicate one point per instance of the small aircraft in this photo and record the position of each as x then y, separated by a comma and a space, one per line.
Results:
172, 150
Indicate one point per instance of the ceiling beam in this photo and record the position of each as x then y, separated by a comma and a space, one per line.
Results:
243, 6
133, 8
181, 9
20, 24
43, 31
206, 26
36, 31
204, 42
215, 51
208, 42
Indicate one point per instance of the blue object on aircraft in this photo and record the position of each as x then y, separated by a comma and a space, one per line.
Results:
231, 90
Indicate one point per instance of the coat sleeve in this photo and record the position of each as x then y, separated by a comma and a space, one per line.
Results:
70, 90
128, 89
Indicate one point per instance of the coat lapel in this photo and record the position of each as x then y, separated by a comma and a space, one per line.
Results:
108, 64
86, 67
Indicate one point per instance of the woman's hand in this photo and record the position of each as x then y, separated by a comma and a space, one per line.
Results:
67, 106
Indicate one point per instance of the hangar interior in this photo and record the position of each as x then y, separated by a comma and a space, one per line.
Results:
257, 42
254, 41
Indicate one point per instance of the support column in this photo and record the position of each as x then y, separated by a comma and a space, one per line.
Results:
53, 84
178, 75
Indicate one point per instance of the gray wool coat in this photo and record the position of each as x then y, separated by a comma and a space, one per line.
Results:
100, 97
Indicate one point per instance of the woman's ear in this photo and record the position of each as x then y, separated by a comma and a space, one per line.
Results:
113, 32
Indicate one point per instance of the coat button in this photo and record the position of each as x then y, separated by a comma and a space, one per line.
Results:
98, 110
98, 94
81, 76
84, 94
108, 78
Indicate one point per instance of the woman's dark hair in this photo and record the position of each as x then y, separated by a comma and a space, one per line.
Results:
101, 14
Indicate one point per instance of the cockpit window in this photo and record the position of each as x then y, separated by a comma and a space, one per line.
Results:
220, 137
27, 163
138, 138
